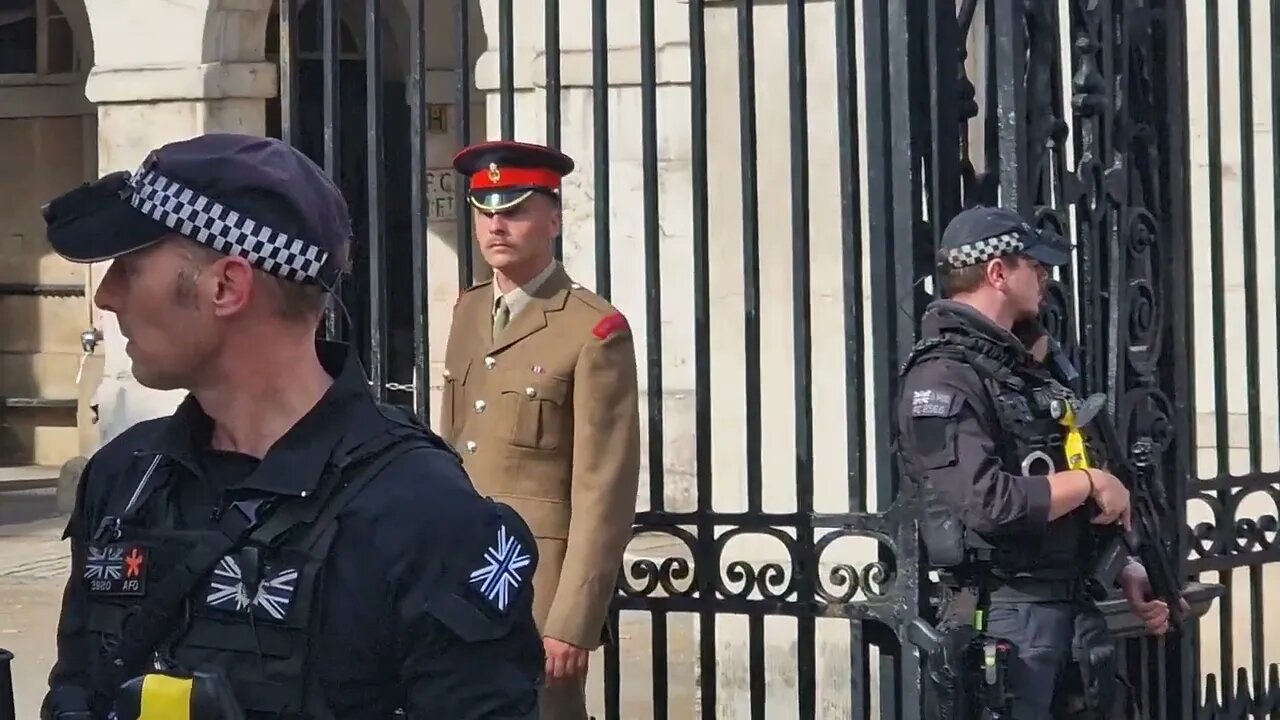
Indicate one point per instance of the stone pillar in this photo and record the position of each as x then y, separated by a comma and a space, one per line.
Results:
164, 72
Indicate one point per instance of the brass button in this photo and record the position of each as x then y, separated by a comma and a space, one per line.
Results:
530, 392
489, 362
471, 447
480, 406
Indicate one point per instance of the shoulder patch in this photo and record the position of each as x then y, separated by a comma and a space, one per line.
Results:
932, 403
609, 325
502, 572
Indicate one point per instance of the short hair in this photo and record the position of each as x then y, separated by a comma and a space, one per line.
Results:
956, 281
294, 301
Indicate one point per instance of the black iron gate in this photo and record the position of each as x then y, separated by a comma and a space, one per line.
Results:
895, 115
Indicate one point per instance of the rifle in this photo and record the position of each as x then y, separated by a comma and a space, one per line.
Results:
1146, 500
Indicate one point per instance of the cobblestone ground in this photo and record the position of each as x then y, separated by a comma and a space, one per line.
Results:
33, 567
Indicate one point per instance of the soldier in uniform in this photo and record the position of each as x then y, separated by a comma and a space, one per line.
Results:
540, 398
977, 435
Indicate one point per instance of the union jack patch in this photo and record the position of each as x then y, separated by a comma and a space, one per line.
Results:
116, 570
270, 600
499, 578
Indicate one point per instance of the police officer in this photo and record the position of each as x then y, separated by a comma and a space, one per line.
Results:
317, 554
976, 433
540, 397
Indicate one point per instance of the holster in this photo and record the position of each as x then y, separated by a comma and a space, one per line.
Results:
1097, 692
949, 692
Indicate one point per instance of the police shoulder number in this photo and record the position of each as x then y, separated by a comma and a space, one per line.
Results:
933, 402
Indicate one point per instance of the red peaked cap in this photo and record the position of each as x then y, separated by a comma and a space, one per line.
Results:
503, 174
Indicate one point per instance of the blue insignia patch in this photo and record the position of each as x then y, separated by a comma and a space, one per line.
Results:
500, 577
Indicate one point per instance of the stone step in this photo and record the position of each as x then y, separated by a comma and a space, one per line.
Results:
17, 478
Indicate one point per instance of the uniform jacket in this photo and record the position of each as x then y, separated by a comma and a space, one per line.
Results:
960, 446
546, 419
397, 620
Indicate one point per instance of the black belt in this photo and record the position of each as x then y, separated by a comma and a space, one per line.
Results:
1037, 590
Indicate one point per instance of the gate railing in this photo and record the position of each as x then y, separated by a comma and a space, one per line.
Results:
760, 187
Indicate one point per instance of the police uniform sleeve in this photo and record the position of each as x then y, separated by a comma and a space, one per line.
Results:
947, 416
606, 473
68, 679
468, 644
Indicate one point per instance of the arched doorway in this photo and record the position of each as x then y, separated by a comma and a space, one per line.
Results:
48, 139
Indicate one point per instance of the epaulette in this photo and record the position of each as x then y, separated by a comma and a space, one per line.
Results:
474, 287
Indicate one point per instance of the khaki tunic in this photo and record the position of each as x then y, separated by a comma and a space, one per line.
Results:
546, 419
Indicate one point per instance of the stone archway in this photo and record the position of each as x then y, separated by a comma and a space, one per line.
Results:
47, 134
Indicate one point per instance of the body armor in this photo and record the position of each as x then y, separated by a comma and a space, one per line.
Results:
255, 582
1028, 403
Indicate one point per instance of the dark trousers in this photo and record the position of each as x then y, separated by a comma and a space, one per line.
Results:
1062, 648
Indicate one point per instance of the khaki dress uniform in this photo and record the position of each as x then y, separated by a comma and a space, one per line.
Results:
545, 414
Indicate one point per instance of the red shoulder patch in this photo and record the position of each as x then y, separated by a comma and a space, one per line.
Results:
609, 325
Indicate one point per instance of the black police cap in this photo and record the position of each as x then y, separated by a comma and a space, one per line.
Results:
254, 197
980, 234
503, 174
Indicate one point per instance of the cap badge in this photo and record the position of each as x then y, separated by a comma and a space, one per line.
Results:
494, 173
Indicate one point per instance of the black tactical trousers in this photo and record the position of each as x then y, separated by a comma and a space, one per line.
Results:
1063, 650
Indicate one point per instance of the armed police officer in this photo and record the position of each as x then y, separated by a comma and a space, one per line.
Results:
281, 542
1006, 522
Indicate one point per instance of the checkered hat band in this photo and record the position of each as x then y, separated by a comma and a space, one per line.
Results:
980, 251
186, 211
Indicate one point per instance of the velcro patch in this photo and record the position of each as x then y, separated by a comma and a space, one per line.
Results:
931, 403
609, 325
118, 569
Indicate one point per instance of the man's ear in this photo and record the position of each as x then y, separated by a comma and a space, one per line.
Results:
232, 279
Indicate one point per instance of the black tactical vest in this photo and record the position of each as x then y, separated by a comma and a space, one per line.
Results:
254, 583
1028, 402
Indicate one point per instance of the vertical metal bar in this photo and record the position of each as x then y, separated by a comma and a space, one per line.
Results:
332, 99
462, 103
507, 68
1011, 48
374, 168
1217, 269
944, 128
600, 112
1250, 250
750, 246
417, 205
892, 217
1249, 214
661, 694
552, 41
652, 241
1275, 138
851, 253
702, 352
1179, 287
893, 211
802, 332
755, 665
1214, 94
288, 72
613, 672
553, 72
